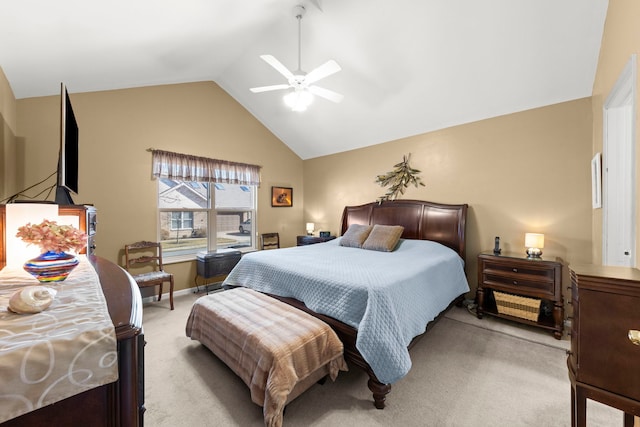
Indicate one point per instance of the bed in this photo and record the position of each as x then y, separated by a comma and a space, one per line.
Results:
377, 313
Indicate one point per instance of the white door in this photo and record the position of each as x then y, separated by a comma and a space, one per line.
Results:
618, 171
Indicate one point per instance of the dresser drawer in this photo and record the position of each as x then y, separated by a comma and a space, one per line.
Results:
575, 331
607, 358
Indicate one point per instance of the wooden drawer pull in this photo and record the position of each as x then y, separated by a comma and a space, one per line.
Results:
634, 336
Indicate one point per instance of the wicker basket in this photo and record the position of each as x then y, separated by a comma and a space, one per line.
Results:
517, 306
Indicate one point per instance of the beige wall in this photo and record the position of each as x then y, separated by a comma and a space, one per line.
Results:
621, 39
116, 129
524, 172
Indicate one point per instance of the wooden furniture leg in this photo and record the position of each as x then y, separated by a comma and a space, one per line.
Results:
480, 301
573, 406
579, 414
379, 391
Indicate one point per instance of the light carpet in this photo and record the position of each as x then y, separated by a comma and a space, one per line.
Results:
466, 372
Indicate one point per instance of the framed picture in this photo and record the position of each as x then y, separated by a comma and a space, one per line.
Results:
596, 181
281, 197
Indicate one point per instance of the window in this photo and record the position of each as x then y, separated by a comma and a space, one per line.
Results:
181, 220
204, 204
199, 216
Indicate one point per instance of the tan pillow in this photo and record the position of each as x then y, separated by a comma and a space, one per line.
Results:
383, 238
355, 235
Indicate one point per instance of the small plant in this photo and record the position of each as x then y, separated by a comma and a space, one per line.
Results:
399, 179
51, 236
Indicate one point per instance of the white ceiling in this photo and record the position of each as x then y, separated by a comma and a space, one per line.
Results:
408, 66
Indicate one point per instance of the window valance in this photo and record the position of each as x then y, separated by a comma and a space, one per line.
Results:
185, 167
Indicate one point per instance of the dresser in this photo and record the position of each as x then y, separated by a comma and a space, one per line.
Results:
520, 276
604, 361
120, 403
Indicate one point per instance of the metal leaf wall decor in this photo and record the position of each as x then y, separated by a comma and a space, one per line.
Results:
399, 179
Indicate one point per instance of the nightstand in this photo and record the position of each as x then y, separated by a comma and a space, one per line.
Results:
521, 279
310, 240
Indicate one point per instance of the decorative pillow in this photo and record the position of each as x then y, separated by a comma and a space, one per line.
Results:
383, 238
355, 235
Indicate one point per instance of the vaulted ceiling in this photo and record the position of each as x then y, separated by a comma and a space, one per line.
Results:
408, 66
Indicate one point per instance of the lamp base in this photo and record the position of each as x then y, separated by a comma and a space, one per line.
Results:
534, 253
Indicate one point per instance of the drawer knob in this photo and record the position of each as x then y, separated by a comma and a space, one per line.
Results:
634, 336
515, 270
515, 282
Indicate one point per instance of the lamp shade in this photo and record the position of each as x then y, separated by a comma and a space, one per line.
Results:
310, 227
534, 240
17, 215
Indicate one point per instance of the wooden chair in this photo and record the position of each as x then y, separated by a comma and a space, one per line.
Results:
148, 256
270, 240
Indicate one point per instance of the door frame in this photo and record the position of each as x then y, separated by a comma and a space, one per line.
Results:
619, 127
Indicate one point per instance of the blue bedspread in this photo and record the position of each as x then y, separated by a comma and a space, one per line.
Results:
389, 297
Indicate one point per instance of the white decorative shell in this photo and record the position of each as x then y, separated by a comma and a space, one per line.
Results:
31, 299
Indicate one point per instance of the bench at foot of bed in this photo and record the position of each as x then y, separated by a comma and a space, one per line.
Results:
277, 350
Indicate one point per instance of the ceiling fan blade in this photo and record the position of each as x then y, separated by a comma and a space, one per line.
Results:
326, 93
271, 60
268, 88
325, 70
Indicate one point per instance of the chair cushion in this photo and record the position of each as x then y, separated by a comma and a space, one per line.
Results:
152, 277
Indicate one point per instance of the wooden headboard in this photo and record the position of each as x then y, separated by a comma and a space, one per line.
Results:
421, 220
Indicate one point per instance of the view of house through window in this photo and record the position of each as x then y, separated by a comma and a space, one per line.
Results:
201, 216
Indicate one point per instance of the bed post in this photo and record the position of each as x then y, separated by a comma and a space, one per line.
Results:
379, 391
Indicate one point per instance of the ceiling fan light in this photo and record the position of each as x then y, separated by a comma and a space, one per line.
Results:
298, 100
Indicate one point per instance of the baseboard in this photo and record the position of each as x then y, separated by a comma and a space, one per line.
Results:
165, 295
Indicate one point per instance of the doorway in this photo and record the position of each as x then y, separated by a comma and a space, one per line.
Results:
618, 171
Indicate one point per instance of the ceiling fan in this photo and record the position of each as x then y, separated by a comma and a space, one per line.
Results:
301, 83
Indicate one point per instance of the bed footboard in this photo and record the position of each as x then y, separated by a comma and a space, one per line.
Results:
348, 335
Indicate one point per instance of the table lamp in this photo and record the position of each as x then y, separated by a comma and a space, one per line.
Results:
310, 227
534, 242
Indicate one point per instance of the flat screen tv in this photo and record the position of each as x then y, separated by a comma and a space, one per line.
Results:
68, 157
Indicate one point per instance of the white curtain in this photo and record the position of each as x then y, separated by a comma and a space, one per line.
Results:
185, 167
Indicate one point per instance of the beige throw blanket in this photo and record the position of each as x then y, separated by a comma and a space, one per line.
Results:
269, 344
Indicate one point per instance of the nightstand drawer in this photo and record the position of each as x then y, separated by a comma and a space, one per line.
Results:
510, 269
519, 282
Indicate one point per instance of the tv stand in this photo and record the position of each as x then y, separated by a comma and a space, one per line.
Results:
63, 196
